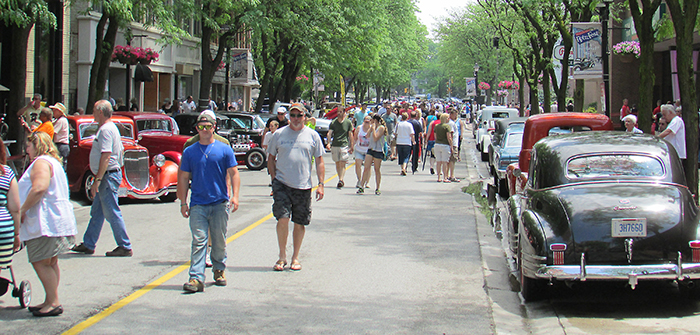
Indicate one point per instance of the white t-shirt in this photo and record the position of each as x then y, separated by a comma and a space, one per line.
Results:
294, 151
266, 140
109, 140
455, 132
403, 133
60, 130
677, 136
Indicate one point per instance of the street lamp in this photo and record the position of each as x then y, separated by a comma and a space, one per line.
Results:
476, 83
605, 18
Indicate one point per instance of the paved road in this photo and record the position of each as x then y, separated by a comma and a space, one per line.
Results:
407, 261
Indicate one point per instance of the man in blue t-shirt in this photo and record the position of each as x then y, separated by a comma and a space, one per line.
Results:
215, 183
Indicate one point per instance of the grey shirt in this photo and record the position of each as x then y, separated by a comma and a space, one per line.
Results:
294, 151
107, 139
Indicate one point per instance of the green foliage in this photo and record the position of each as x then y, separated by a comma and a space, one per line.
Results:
21, 13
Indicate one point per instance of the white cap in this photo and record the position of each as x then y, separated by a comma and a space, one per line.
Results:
282, 109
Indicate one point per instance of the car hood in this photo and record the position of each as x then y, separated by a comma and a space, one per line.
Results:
581, 216
510, 153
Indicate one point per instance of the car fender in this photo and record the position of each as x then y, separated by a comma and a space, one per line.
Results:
532, 242
173, 156
165, 175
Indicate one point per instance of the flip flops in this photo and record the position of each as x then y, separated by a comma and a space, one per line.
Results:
279, 266
296, 266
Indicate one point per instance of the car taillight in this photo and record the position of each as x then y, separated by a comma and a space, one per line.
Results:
695, 246
558, 251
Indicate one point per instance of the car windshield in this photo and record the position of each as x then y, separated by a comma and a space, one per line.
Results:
500, 115
618, 165
514, 140
241, 122
154, 125
90, 129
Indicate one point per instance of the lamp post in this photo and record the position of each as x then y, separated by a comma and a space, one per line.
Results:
605, 18
476, 83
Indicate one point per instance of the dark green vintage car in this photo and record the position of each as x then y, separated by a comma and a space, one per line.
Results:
606, 206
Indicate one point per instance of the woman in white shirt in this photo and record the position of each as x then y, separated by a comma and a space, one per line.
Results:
405, 138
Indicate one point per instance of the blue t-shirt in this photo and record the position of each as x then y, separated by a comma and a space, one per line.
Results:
208, 165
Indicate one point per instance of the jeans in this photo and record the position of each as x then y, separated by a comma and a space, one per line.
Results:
205, 219
64, 151
106, 206
404, 152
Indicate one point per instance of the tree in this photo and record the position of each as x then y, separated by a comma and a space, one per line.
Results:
118, 14
684, 20
19, 17
643, 23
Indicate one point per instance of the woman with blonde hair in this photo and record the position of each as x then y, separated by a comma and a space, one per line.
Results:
443, 147
47, 220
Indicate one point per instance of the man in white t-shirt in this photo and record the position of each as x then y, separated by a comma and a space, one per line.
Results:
675, 131
60, 131
291, 153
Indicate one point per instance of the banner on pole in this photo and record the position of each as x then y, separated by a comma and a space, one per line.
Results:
586, 60
471, 87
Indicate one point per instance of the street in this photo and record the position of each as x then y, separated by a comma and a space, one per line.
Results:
418, 259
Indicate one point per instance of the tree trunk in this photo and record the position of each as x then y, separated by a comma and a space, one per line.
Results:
579, 94
17, 82
534, 96
99, 71
684, 18
645, 32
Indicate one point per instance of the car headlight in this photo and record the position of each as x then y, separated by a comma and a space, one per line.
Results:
159, 160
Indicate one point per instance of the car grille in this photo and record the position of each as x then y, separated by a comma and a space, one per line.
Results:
136, 168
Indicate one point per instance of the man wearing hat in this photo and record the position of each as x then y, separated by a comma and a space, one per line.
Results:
60, 131
281, 119
212, 167
291, 152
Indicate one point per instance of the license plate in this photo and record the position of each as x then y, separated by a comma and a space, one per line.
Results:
121, 192
632, 227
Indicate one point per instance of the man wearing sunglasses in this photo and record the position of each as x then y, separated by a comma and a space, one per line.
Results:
33, 107
212, 166
291, 151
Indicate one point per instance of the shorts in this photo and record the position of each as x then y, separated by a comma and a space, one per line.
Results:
360, 155
375, 154
455, 155
46, 247
429, 148
442, 152
340, 154
291, 203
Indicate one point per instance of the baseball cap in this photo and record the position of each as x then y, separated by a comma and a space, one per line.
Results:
281, 110
207, 116
298, 107
59, 106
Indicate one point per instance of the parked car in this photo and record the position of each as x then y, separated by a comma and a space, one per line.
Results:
142, 178
604, 206
322, 126
159, 133
505, 154
482, 134
500, 128
543, 125
247, 151
246, 124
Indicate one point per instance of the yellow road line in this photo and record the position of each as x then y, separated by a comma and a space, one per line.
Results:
89, 322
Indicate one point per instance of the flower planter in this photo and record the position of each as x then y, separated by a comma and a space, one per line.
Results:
627, 58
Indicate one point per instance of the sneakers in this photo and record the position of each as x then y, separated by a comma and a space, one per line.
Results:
207, 258
83, 249
360, 190
340, 184
432, 171
377, 192
219, 278
119, 252
193, 286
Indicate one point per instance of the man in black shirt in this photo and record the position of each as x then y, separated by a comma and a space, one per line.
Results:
281, 118
418, 131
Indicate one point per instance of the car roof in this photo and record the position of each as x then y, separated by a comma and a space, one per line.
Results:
90, 118
585, 142
143, 115
218, 115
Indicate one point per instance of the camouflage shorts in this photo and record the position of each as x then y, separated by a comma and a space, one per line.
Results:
291, 203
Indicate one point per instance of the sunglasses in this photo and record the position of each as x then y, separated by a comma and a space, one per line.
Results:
296, 115
204, 126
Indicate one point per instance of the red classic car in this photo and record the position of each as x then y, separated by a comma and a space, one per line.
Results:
159, 133
142, 178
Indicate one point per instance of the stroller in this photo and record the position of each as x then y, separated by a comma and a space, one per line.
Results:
23, 292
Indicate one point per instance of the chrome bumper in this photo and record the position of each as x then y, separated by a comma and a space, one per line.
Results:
143, 196
629, 273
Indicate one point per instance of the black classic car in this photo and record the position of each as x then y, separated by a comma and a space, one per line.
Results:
604, 206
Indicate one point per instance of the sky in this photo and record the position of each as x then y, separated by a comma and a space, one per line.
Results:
431, 9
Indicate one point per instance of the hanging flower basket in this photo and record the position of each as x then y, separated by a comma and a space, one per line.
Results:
627, 48
502, 93
484, 86
508, 85
129, 55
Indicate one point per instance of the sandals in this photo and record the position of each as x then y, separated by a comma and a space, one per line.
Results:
296, 266
279, 266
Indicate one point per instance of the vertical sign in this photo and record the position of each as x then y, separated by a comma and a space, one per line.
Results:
471, 87
342, 90
586, 61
